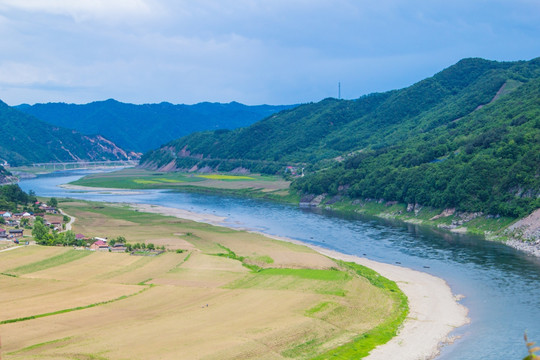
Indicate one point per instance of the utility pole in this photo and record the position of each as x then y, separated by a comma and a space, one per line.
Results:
339, 90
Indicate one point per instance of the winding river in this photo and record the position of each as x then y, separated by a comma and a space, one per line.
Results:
501, 285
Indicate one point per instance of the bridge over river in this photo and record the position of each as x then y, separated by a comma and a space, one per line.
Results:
83, 164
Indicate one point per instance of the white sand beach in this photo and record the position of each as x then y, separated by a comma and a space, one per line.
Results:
434, 312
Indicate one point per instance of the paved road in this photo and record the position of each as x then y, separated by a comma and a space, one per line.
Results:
71, 219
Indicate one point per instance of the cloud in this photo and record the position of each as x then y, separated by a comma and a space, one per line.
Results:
84, 10
253, 51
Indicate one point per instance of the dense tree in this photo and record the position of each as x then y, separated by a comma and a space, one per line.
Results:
40, 232
53, 202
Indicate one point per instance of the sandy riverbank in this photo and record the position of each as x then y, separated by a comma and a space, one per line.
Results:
434, 310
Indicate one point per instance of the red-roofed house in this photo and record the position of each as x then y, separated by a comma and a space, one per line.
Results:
99, 245
3, 233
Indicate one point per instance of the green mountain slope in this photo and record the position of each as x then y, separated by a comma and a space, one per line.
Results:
25, 139
144, 127
468, 137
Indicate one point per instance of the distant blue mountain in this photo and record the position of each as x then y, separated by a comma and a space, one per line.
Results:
25, 139
148, 126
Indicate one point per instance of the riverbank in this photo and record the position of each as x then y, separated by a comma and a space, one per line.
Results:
434, 312
521, 234
495, 228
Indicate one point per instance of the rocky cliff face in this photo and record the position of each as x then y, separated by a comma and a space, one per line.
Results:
108, 147
6, 177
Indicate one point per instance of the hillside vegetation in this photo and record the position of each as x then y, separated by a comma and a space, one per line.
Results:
25, 139
468, 137
144, 127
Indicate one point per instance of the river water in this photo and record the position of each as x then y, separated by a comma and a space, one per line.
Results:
501, 285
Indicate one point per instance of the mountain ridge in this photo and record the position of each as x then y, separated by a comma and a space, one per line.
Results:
436, 128
127, 124
25, 140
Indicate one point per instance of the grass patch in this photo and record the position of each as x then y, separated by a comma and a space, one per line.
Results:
302, 349
326, 282
481, 225
232, 255
6, 274
36, 346
318, 308
263, 258
363, 344
68, 256
309, 274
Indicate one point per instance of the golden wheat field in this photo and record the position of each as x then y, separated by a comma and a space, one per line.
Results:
207, 302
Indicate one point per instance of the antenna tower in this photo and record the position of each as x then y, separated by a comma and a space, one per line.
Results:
339, 90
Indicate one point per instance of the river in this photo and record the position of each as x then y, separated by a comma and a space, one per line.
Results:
501, 285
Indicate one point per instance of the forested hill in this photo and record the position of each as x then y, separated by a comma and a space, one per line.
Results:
25, 139
467, 137
144, 127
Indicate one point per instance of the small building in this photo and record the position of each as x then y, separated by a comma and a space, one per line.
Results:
99, 245
118, 248
3, 233
5, 214
16, 233
80, 237
57, 225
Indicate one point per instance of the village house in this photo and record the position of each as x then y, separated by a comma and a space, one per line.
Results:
12, 222
3, 233
50, 210
119, 247
99, 245
57, 225
16, 233
80, 237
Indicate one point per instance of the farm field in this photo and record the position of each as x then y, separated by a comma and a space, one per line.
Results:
227, 295
145, 179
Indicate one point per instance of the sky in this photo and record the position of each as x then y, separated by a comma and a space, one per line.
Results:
250, 51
